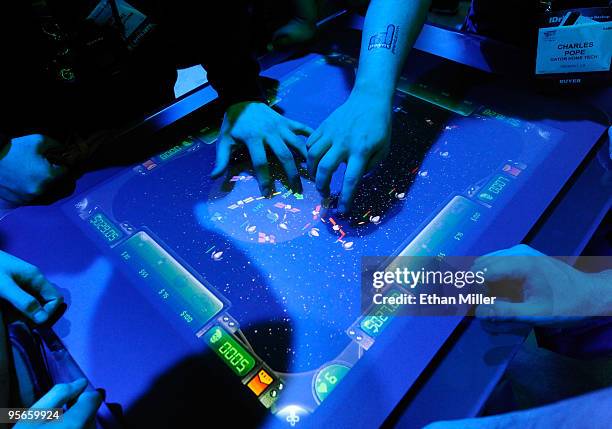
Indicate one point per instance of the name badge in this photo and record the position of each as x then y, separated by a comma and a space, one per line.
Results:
135, 23
583, 47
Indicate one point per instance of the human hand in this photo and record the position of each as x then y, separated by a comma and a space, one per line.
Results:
358, 133
25, 173
23, 286
295, 32
80, 415
256, 125
548, 292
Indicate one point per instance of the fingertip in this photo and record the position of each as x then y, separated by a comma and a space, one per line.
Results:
79, 384
297, 186
90, 401
217, 172
265, 189
40, 316
344, 206
102, 393
324, 193
53, 305
93, 395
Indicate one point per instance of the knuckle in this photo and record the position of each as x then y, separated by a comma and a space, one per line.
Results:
285, 157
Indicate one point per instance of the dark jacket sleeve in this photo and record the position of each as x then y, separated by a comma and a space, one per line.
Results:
231, 62
24, 95
218, 36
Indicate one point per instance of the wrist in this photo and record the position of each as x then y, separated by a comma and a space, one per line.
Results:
373, 95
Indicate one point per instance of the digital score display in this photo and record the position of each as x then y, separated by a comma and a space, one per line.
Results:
494, 189
175, 150
380, 316
230, 351
105, 228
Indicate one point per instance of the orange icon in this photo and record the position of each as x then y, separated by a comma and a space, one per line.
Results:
260, 382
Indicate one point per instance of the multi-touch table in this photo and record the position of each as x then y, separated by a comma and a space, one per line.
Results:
161, 263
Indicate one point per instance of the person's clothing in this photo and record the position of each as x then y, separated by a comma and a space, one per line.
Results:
23, 373
541, 377
111, 84
509, 21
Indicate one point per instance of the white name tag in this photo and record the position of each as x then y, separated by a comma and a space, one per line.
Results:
135, 23
581, 48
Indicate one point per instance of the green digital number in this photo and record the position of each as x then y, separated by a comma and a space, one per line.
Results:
104, 226
379, 317
230, 351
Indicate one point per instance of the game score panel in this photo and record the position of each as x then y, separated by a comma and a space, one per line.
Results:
204, 311
197, 306
201, 309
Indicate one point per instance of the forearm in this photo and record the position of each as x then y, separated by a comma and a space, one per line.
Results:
593, 408
390, 30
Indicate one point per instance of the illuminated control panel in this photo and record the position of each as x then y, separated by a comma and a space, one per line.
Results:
187, 297
226, 232
230, 351
105, 228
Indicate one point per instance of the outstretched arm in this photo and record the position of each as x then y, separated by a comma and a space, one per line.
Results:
390, 30
593, 408
358, 132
